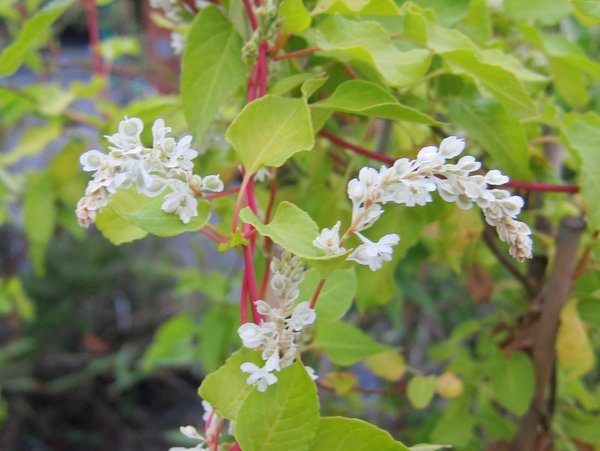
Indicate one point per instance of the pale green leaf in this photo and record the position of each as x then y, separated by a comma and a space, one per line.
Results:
336, 296
295, 16
111, 220
583, 134
32, 35
226, 389
588, 8
389, 365
513, 381
547, 12
500, 134
270, 130
152, 219
39, 216
115, 47
287, 84
285, 417
363, 7
52, 99
211, 68
368, 99
294, 230
574, 351
420, 390
345, 344
369, 42
343, 434
32, 142
309, 87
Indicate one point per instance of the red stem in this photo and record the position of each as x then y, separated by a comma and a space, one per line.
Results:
297, 53
226, 192
94, 36
213, 237
517, 184
244, 300
315, 297
251, 15
268, 243
251, 279
264, 72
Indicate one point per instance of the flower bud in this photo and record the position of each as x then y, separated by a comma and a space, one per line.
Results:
212, 183
451, 146
196, 182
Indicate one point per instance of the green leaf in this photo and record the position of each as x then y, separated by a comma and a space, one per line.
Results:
500, 82
589, 310
288, 413
294, 230
32, 35
39, 215
500, 134
363, 7
152, 219
553, 10
115, 47
175, 343
270, 130
336, 296
588, 8
342, 434
456, 424
211, 68
369, 42
111, 221
295, 16
32, 142
428, 447
513, 381
226, 389
368, 99
583, 134
420, 391
345, 344
52, 99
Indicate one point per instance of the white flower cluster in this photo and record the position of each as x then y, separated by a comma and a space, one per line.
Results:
174, 10
410, 183
282, 322
168, 163
212, 426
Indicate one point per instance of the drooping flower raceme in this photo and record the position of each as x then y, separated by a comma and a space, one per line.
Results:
282, 323
167, 165
212, 427
410, 183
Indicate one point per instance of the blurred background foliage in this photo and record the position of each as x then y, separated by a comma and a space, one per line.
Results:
103, 347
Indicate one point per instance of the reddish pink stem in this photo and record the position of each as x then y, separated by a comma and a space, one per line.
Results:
264, 73
244, 300
251, 279
297, 53
527, 186
94, 36
213, 237
251, 15
315, 297
226, 192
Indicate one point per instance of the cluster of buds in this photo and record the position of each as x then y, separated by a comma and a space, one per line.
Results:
167, 164
410, 183
212, 427
280, 325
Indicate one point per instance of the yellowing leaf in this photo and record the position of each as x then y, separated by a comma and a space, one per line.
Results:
390, 365
574, 351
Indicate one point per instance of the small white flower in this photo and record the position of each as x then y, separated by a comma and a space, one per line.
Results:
374, 254
212, 183
302, 316
329, 240
258, 376
451, 147
311, 372
92, 160
182, 202
495, 177
252, 335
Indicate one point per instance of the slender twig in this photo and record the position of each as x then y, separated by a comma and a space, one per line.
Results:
517, 184
580, 268
213, 237
94, 36
226, 192
317, 292
297, 53
547, 139
489, 237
